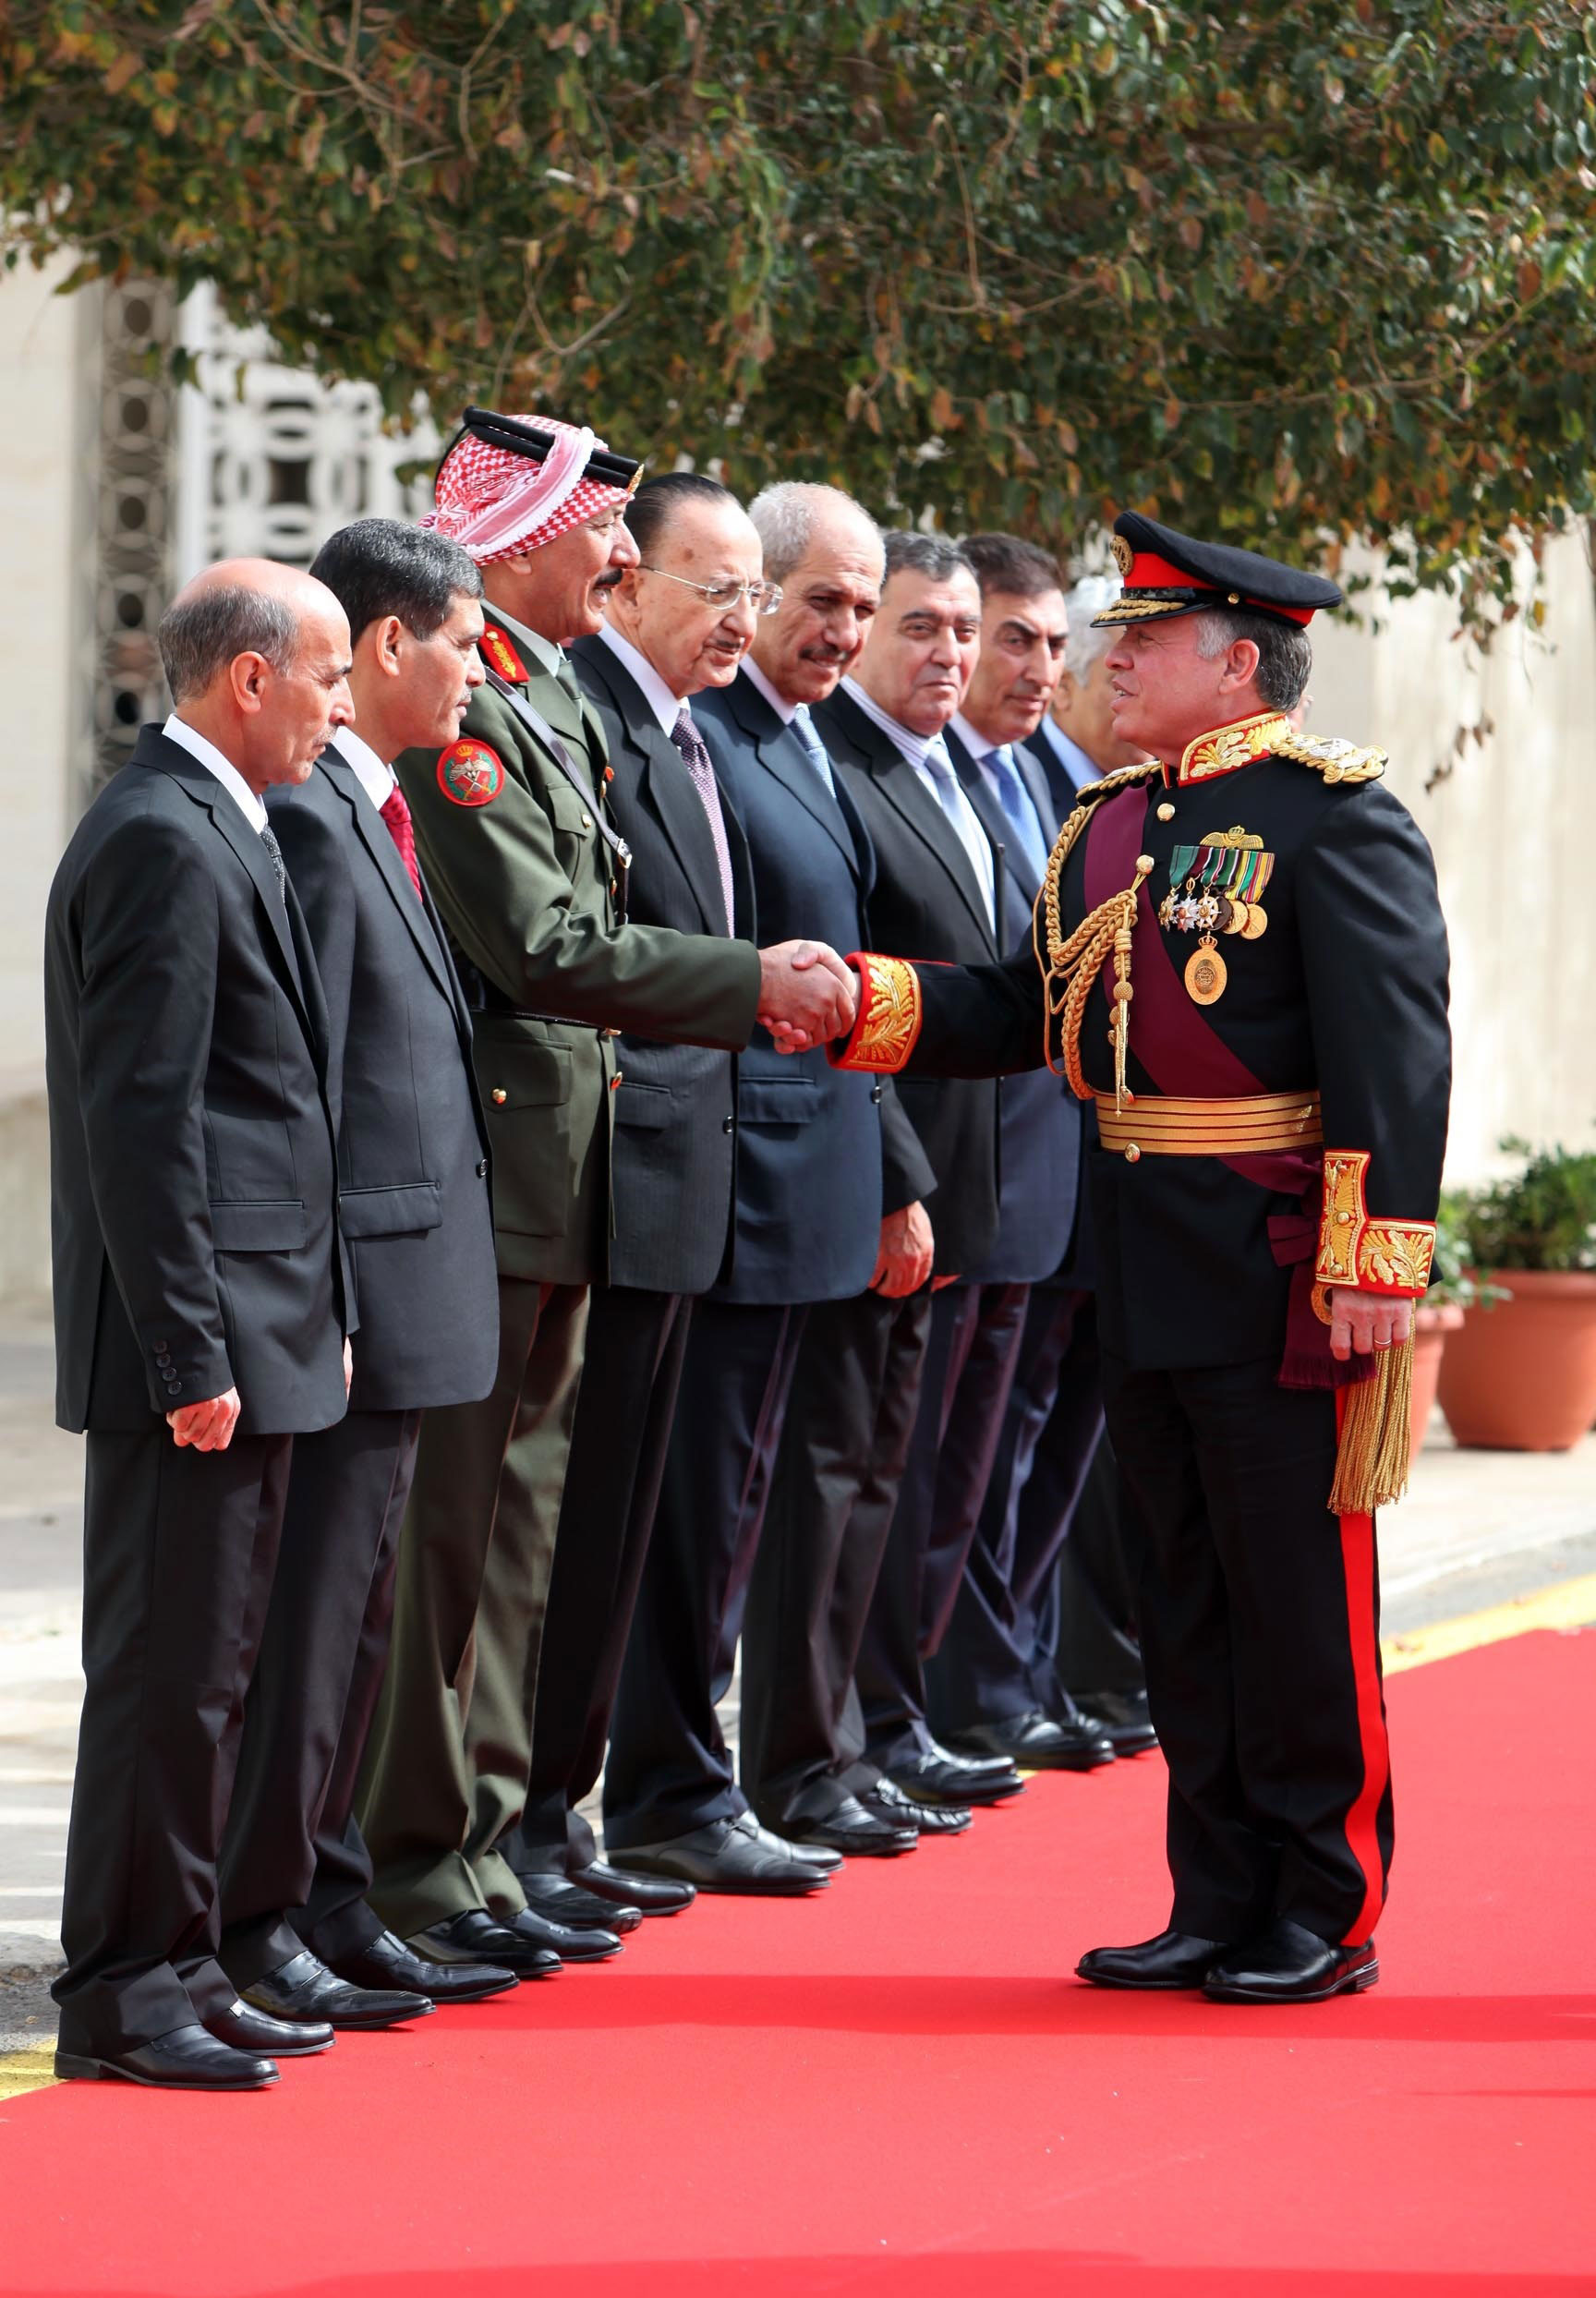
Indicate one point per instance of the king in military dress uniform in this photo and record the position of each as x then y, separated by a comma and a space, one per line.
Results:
1240, 956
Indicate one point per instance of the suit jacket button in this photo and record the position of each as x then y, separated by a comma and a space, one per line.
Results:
876, 1092
728, 1125
481, 1168
499, 1096
586, 821
174, 1386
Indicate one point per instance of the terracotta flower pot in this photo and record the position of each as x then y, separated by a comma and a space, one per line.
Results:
1430, 1328
1521, 1376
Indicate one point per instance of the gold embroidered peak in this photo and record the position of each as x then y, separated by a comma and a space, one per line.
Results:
1337, 760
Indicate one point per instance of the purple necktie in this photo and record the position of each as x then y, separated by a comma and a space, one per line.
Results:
696, 758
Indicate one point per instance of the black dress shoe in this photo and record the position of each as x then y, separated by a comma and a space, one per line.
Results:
855, 1833
1123, 1715
934, 1777
729, 1855
242, 2028
652, 1895
819, 1856
571, 1946
561, 1901
303, 1988
480, 1940
892, 1804
1037, 1742
388, 1962
1286, 1964
1173, 1959
185, 2059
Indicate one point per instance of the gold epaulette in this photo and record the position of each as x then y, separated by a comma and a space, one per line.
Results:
1337, 760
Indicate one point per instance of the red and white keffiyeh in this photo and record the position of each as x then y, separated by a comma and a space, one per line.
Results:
496, 504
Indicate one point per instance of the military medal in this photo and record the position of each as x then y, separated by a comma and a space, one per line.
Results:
1205, 973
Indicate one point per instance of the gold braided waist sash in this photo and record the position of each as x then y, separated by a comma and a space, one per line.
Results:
1182, 1125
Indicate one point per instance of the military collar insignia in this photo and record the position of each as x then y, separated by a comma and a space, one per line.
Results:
500, 656
1224, 749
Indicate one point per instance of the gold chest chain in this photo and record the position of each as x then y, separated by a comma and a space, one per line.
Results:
1071, 966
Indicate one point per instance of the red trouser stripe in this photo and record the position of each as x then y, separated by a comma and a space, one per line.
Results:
1362, 1840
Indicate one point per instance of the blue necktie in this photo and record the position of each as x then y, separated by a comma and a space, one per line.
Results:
803, 727
1018, 810
966, 823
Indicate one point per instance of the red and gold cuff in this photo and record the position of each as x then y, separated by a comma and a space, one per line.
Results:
888, 1021
1380, 1256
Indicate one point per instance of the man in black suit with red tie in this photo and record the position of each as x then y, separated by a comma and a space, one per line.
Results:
297, 1936
200, 1296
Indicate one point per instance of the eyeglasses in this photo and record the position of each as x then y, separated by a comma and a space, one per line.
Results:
763, 597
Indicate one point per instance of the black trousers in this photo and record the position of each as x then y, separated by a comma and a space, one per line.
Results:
1086, 1623
1260, 1621
314, 1692
992, 1662
969, 1358
179, 1551
850, 1416
668, 1771
636, 1342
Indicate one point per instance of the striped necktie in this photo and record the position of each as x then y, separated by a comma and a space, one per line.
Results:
696, 758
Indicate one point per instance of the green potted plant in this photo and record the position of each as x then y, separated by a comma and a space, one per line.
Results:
1520, 1373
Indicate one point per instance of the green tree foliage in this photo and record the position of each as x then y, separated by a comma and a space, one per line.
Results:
1284, 270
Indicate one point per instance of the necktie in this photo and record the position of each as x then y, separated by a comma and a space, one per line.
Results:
1018, 810
962, 815
803, 727
696, 758
566, 679
268, 839
396, 814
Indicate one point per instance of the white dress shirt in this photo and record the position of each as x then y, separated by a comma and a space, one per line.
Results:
379, 781
927, 754
179, 730
666, 707
778, 703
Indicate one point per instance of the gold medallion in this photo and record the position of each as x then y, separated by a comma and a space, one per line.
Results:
1257, 923
1236, 919
1205, 973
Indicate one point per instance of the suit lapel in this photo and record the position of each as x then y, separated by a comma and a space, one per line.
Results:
666, 784
374, 835
783, 756
1035, 781
244, 841
904, 789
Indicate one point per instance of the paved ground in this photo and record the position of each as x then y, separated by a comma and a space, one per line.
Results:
1477, 1529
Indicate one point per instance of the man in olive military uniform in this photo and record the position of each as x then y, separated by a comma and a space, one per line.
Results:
1239, 955
530, 875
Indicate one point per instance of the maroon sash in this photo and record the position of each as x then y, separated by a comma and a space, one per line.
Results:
1182, 1054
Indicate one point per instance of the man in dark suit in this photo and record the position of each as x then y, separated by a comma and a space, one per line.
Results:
298, 1937
529, 871
1070, 1643
678, 625
673, 1801
938, 892
967, 1593
201, 1311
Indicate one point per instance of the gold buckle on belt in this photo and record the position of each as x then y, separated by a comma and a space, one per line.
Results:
1182, 1125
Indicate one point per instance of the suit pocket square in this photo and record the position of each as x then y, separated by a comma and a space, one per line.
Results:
258, 1224
396, 1212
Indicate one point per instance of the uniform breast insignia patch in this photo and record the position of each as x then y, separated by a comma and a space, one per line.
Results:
500, 656
1216, 886
470, 773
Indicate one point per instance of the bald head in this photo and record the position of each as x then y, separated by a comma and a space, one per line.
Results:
826, 552
257, 657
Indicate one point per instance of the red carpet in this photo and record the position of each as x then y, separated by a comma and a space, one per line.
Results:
898, 2091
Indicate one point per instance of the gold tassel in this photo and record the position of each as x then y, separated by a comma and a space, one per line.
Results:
1372, 1459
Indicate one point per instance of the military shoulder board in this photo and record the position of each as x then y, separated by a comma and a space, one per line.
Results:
1338, 761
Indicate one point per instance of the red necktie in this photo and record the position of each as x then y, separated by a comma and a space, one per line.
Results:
396, 814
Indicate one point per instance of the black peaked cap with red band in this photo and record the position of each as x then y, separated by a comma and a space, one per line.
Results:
1166, 573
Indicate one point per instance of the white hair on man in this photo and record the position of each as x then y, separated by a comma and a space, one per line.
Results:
786, 514
1085, 600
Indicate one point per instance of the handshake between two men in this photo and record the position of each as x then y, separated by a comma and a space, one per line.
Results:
807, 995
